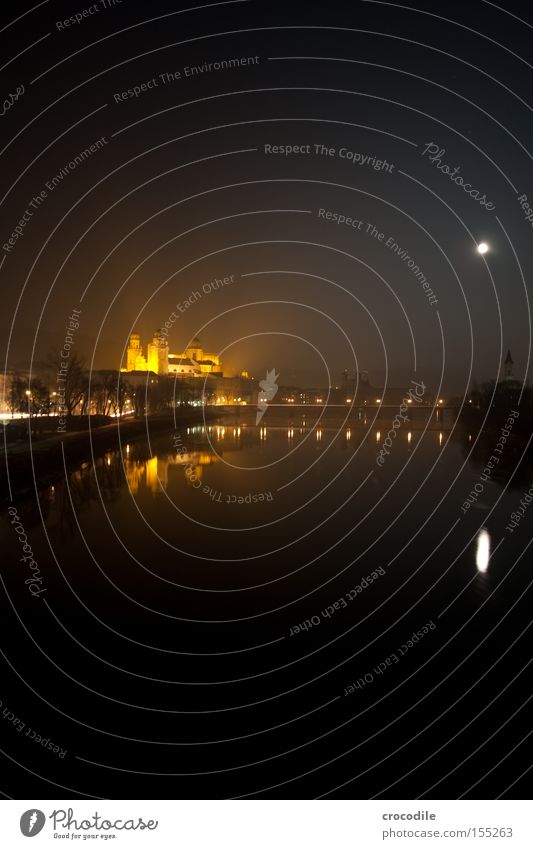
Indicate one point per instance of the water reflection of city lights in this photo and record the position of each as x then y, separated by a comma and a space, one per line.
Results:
482, 550
319, 434
348, 433
409, 437
378, 435
440, 438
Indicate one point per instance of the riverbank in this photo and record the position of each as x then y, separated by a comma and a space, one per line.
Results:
41, 461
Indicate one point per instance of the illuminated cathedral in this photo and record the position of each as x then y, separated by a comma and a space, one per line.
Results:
193, 362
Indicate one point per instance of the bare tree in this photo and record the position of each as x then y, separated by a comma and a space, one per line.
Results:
17, 399
110, 392
39, 397
71, 381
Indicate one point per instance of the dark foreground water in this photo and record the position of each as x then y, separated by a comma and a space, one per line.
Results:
236, 610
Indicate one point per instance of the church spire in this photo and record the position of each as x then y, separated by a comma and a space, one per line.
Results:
509, 363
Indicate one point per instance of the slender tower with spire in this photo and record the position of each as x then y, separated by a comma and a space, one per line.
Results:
508, 366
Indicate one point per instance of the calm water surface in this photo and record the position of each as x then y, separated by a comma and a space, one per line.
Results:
232, 582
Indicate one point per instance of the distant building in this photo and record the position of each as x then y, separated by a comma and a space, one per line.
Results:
297, 395
141, 377
238, 391
6, 379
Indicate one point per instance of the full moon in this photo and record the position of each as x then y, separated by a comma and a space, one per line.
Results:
482, 248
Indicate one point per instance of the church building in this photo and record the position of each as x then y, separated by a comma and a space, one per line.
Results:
193, 362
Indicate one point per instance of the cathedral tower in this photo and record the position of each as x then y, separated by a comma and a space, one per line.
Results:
158, 354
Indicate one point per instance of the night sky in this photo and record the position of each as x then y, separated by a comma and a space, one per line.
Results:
181, 190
